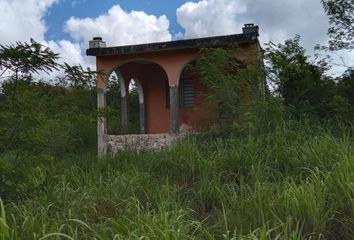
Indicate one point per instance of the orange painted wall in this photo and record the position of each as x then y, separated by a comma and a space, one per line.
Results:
157, 114
154, 83
155, 79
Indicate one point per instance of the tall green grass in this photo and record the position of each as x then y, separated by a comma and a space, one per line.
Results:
294, 182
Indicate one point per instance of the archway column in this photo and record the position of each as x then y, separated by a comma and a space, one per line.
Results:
174, 109
173, 74
141, 105
123, 99
124, 111
173, 71
101, 121
171, 63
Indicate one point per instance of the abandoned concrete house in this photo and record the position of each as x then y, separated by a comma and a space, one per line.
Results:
169, 97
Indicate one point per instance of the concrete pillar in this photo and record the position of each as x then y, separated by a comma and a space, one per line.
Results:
124, 112
101, 123
174, 109
142, 118
123, 100
141, 105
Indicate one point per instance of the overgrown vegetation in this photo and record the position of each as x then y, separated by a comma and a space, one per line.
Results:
40, 120
233, 86
304, 86
295, 181
282, 166
112, 111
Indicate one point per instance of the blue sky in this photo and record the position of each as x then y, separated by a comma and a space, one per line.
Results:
66, 26
59, 13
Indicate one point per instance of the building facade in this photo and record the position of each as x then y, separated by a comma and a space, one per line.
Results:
170, 95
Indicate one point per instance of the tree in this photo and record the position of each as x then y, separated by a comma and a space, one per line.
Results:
341, 18
21, 60
40, 120
24, 59
345, 90
301, 84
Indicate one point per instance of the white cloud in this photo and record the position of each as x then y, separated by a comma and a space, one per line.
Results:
21, 20
119, 27
210, 17
70, 53
278, 20
74, 3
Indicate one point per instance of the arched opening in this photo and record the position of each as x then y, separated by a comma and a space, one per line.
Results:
201, 99
195, 111
146, 84
115, 94
187, 85
136, 108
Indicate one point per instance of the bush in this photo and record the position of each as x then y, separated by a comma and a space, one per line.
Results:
40, 121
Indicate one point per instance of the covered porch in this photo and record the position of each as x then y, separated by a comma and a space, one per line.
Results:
170, 93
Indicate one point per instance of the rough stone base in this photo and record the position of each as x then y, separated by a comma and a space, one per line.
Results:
117, 143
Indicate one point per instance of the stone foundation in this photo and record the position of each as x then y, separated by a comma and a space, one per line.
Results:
117, 143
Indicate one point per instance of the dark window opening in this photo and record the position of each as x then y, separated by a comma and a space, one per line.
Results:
186, 93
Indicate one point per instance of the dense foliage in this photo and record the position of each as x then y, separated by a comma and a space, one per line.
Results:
112, 111
40, 120
233, 85
304, 85
283, 167
293, 181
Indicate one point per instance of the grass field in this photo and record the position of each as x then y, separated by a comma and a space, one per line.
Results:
294, 182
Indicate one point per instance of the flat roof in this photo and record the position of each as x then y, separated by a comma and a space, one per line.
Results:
173, 45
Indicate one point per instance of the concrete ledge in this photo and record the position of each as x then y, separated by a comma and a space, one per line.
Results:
214, 41
117, 143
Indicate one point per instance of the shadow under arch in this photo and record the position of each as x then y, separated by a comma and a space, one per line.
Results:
187, 65
196, 112
115, 97
150, 80
136, 87
139, 60
191, 65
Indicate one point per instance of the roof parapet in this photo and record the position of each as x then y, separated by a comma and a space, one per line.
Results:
97, 47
